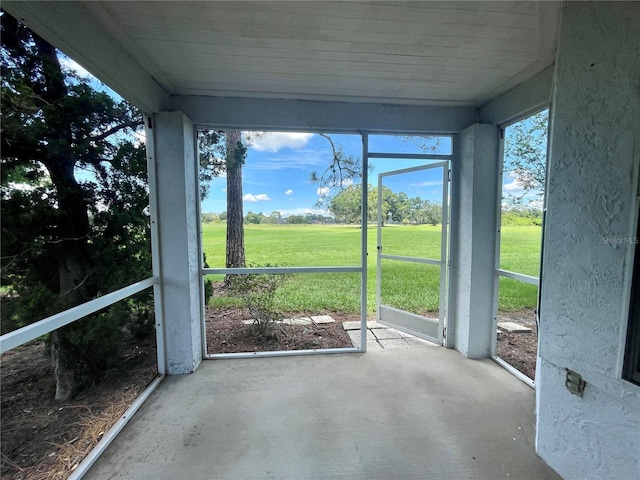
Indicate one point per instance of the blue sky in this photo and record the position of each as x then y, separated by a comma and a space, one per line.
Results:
278, 165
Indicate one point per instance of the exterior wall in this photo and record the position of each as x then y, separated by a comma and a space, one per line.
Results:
178, 233
594, 156
477, 177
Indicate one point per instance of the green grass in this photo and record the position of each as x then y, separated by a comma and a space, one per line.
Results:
413, 287
520, 249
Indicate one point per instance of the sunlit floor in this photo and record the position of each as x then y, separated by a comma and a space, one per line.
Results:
414, 413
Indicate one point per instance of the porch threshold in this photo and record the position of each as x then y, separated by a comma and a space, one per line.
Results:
401, 413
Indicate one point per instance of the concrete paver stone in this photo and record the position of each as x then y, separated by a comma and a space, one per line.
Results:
393, 343
511, 327
323, 319
418, 342
386, 333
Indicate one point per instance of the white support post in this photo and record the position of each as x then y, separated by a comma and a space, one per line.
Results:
474, 248
177, 246
364, 240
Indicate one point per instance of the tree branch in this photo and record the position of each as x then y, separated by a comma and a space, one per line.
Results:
128, 124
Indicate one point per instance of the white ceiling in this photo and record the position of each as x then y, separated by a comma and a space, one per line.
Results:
419, 53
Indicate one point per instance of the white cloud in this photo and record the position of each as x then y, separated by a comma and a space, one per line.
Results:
322, 191
513, 186
347, 182
261, 197
274, 141
288, 192
301, 159
430, 183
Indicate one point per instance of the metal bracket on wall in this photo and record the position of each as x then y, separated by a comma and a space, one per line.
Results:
574, 383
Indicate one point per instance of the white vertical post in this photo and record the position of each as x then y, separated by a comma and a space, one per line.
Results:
155, 244
178, 223
450, 322
496, 277
443, 312
379, 250
363, 246
475, 243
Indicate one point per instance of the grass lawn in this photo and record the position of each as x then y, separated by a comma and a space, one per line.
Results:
413, 287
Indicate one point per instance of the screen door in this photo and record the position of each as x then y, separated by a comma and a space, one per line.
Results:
411, 274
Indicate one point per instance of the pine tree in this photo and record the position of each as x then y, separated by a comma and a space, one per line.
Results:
68, 238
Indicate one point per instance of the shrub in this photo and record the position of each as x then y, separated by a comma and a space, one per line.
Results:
258, 291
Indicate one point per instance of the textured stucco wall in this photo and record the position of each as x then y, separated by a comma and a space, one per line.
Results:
594, 147
178, 232
477, 171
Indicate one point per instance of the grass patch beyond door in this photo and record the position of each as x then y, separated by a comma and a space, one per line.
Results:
339, 245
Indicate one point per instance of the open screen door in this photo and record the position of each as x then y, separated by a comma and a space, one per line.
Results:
411, 275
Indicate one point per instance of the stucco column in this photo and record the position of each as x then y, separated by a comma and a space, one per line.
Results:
588, 240
474, 251
177, 255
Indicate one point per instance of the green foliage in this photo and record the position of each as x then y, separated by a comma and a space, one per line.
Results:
521, 217
208, 283
210, 217
258, 292
525, 155
74, 201
346, 207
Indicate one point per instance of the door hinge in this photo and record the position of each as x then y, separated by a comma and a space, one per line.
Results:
444, 332
150, 122
501, 130
449, 175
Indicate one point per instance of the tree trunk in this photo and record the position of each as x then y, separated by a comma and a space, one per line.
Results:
63, 367
235, 215
76, 285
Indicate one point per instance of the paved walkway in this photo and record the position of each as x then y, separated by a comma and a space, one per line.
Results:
379, 336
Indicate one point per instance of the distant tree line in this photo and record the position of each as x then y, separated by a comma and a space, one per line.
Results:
274, 218
518, 215
396, 207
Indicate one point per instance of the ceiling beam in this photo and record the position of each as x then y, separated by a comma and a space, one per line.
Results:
526, 99
74, 30
307, 115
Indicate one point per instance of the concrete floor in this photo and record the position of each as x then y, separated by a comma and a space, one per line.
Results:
415, 413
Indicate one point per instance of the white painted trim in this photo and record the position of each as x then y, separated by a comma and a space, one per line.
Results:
519, 277
14, 339
306, 115
450, 320
445, 165
283, 353
410, 156
513, 371
364, 238
271, 270
444, 246
155, 243
113, 432
521, 101
203, 306
496, 278
73, 29
402, 258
